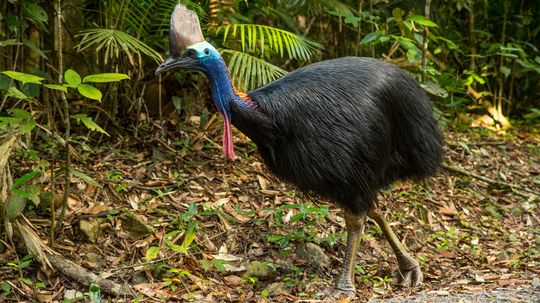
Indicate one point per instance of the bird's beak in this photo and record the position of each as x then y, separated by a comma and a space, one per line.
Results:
182, 62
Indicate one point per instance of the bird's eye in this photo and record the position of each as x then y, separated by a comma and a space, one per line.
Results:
207, 51
190, 53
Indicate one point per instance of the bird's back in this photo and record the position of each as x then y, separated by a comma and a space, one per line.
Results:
344, 128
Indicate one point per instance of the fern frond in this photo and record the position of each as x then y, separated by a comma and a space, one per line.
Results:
257, 38
113, 42
249, 72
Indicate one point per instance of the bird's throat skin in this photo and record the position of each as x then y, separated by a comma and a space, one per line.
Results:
224, 94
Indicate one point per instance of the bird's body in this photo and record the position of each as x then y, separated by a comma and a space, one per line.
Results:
342, 128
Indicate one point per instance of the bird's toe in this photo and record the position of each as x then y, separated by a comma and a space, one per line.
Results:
338, 295
411, 277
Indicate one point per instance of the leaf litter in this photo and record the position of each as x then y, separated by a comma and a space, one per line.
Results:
201, 221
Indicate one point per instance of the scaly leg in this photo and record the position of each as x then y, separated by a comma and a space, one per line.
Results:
355, 228
409, 273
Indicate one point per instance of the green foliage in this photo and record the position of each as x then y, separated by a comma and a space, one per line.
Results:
261, 38
113, 42
95, 293
249, 71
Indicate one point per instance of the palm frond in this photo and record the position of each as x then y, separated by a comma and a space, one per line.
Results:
162, 14
317, 7
217, 7
113, 42
258, 38
249, 72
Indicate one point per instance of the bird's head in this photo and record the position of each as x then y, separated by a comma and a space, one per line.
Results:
189, 50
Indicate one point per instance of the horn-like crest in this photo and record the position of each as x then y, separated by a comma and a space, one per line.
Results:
185, 29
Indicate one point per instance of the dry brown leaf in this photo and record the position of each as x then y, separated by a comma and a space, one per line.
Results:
262, 182
238, 217
447, 211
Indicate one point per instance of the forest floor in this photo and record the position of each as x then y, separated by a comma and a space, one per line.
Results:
174, 221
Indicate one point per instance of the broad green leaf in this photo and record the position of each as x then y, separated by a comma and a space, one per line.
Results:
88, 122
86, 178
398, 13
89, 91
32, 45
20, 113
95, 293
369, 38
27, 78
435, 89
106, 77
6, 288
33, 191
352, 20
15, 93
218, 264
24, 178
179, 248
15, 205
72, 78
152, 253
56, 87
423, 21
9, 42
506, 71
189, 236
177, 102
35, 12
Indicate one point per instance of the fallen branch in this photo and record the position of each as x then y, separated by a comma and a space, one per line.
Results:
85, 277
489, 180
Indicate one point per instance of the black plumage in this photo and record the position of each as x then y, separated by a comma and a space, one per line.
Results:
344, 129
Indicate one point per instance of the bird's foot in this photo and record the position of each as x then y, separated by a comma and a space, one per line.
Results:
336, 295
410, 276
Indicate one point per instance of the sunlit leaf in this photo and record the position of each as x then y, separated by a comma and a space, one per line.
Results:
152, 252
27, 78
72, 78
89, 91
56, 87
105, 77
423, 21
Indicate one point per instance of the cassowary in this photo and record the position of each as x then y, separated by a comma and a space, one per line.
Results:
343, 128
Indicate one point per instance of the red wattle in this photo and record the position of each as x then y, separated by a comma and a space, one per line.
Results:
228, 148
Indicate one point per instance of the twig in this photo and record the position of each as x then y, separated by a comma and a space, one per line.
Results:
65, 105
425, 42
83, 276
488, 180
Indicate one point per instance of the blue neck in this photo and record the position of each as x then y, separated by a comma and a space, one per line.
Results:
222, 87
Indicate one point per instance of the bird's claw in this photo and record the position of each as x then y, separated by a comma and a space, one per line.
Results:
335, 295
410, 277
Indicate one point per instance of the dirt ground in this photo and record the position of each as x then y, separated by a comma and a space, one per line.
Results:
173, 221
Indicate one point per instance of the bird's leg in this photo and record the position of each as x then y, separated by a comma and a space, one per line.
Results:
409, 273
355, 228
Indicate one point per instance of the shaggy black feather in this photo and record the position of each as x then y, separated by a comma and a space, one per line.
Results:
344, 129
